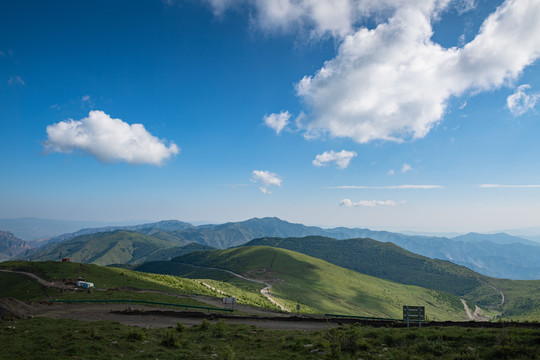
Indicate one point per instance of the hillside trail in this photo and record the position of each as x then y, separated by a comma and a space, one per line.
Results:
37, 278
478, 314
265, 291
467, 310
494, 288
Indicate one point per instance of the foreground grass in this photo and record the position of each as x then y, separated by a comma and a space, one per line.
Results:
42, 338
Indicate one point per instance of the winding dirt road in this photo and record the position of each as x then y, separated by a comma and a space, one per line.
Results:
265, 291
494, 288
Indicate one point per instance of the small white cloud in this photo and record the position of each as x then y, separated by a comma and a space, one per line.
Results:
15, 80
342, 158
368, 203
277, 121
85, 98
391, 187
405, 168
520, 102
495, 186
108, 140
265, 179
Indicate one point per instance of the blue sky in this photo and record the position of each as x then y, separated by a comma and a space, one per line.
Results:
388, 115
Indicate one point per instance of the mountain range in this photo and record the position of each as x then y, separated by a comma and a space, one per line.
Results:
498, 255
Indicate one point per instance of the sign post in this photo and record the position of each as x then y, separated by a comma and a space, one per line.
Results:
414, 313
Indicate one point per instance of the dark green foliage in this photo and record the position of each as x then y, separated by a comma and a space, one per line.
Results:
171, 340
136, 335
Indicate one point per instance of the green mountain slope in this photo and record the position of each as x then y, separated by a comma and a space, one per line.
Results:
384, 260
321, 287
116, 247
388, 261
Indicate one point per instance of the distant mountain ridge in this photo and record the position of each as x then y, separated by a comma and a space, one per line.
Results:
505, 257
10, 245
147, 229
498, 238
113, 247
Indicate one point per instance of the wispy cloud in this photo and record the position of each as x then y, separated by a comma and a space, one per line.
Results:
520, 101
342, 158
405, 168
496, 186
109, 140
422, 187
265, 179
15, 80
277, 122
368, 203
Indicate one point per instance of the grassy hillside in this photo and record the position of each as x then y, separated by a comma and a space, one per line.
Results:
384, 260
321, 287
106, 277
26, 289
388, 261
116, 247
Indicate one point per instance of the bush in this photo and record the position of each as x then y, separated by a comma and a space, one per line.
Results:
171, 340
136, 335
180, 327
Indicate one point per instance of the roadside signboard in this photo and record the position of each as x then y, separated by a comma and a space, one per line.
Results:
414, 314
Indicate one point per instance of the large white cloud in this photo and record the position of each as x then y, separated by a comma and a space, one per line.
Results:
265, 179
108, 140
393, 82
521, 101
342, 158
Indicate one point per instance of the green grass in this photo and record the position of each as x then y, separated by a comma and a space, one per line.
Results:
383, 260
23, 288
320, 287
128, 295
27, 289
42, 338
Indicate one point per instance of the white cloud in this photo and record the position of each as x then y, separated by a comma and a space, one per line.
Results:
266, 179
367, 203
85, 98
391, 187
495, 186
109, 140
277, 121
393, 82
342, 158
405, 168
15, 80
520, 102
391, 172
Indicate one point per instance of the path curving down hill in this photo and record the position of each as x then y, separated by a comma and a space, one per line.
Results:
265, 291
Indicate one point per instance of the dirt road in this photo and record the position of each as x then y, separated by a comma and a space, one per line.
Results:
152, 317
265, 291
